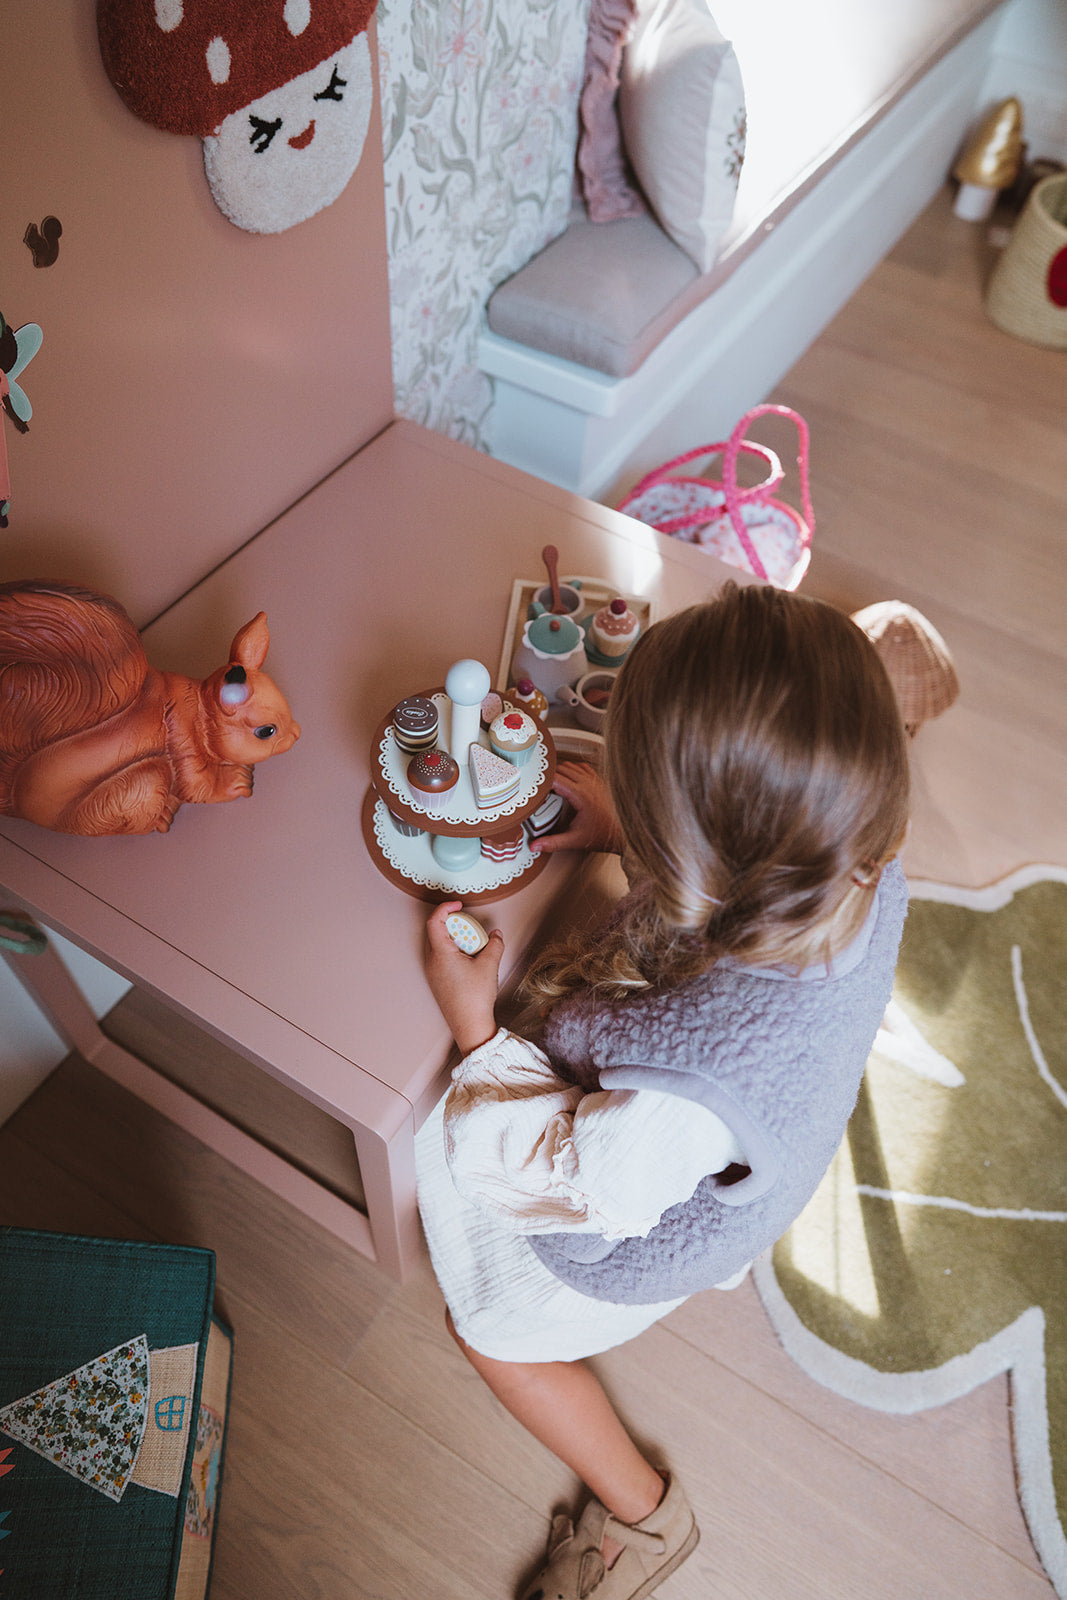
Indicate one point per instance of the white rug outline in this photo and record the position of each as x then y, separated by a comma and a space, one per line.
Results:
1018, 1349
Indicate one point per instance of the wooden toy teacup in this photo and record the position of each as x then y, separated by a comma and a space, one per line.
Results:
588, 699
570, 599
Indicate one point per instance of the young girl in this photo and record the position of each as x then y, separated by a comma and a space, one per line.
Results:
699, 1057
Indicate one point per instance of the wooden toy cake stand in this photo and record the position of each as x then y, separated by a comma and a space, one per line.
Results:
409, 861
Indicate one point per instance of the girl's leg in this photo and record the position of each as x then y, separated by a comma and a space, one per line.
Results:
563, 1405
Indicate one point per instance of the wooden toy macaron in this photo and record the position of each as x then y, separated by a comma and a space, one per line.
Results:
415, 723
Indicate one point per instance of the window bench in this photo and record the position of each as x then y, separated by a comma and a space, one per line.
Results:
610, 351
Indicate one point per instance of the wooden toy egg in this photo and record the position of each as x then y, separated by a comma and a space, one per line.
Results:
466, 932
917, 659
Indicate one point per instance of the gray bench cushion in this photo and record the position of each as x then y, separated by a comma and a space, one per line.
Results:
602, 294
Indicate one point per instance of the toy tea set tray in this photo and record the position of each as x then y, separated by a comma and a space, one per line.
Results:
407, 858
595, 593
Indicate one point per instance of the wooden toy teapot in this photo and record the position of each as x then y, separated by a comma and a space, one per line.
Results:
551, 654
95, 741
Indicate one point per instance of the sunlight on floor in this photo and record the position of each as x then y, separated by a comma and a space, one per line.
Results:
820, 1249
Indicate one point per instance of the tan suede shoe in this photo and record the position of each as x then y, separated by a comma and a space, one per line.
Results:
652, 1548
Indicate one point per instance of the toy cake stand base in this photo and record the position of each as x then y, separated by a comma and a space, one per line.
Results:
409, 864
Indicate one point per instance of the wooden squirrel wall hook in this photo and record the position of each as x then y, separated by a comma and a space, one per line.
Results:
95, 741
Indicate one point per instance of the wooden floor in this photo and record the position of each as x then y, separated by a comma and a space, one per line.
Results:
365, 1462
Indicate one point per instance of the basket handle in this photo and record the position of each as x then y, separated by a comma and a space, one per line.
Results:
735, 496
662, 473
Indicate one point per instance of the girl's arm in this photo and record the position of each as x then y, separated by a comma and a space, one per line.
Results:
536, 1151
465, 987
543, 1157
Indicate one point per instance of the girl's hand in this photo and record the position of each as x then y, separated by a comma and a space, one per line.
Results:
594, 825
464, 987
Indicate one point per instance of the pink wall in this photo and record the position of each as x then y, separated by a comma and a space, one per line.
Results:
195, 379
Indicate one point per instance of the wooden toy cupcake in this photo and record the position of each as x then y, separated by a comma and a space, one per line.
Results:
513, 735
613, 631
406, 830
529, 698
432, 775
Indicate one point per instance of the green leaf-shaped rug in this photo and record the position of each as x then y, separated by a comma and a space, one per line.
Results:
934, 1254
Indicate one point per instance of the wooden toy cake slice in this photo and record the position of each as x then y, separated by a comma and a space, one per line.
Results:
493, 779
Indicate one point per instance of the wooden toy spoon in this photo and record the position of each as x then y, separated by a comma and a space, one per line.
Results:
550, 557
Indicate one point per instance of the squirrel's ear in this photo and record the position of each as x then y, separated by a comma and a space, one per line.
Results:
250, 645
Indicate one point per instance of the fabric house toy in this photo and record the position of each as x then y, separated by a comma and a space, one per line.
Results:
279, 91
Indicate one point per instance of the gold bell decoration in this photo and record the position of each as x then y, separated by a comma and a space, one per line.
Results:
916, 658
990, 161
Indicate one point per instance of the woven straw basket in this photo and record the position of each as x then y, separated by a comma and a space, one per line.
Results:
1027, 294
916, 658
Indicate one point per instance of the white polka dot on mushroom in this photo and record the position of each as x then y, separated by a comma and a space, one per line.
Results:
169, 14
297, 15
217, 55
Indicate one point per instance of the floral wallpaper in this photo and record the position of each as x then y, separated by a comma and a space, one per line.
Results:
479, 104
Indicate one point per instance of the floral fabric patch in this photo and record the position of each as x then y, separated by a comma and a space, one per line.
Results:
91, 1421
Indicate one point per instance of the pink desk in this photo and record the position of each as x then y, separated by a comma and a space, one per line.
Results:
265, 921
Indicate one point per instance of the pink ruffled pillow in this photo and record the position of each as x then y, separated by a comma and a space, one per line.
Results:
603, 169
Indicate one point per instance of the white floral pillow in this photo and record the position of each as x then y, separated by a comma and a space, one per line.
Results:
682, 112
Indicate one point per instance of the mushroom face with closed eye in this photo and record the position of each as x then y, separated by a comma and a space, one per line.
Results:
278, 161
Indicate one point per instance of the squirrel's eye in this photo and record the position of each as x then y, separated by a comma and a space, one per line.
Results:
262, 133
267, 731
333, 89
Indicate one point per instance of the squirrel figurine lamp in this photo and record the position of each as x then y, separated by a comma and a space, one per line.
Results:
94, 741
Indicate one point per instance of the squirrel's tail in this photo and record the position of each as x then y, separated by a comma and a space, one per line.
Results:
69, 658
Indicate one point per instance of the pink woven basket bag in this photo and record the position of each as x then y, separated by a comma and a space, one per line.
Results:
746, 528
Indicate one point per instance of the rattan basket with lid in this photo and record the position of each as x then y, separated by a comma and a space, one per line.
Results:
916, 658
1027, 293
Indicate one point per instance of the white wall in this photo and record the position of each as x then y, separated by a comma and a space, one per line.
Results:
29, 1046
1030, 61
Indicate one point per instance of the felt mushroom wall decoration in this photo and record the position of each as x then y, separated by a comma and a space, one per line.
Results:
280, 92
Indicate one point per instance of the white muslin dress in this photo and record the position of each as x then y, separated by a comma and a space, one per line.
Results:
514, 1150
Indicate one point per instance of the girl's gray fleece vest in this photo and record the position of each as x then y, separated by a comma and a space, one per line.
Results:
778, 1058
